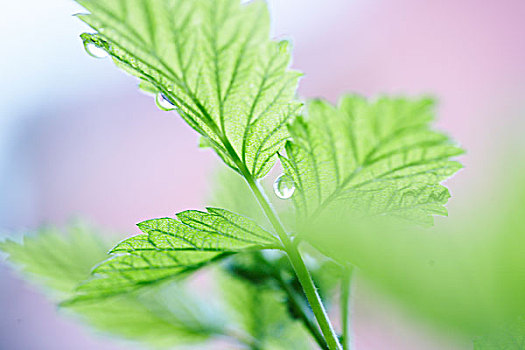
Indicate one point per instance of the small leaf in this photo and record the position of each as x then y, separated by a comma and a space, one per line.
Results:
173, 248
163, 315
214, 61
53, 259
373, 158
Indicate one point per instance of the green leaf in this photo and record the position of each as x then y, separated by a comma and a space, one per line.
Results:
54, 259
370, 157
163, 315
173, 248
214, 61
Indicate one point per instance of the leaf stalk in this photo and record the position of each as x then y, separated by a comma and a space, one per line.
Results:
298, 265
345, 305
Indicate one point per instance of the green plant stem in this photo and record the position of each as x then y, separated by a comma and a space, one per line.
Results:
345, 301
299, 309
299, 266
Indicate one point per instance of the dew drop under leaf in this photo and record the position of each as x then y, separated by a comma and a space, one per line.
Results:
284, 187
95, 51
164, 103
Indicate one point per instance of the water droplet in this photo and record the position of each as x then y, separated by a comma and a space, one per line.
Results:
95, 51
284, 187
164, 103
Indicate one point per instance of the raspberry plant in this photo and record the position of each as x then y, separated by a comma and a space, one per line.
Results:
214, 64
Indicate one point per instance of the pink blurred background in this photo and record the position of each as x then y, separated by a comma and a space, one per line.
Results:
77, 138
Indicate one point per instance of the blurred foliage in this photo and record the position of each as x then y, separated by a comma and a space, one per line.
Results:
508, 337
467, 274
60, 261
263, 314
53, 259
271, 269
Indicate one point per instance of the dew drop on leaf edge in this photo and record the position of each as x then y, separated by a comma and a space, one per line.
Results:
95, 51
284, 187
164, 103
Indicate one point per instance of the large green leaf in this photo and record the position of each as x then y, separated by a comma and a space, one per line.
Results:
370, 157
163, 315
172, 248
213, 60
